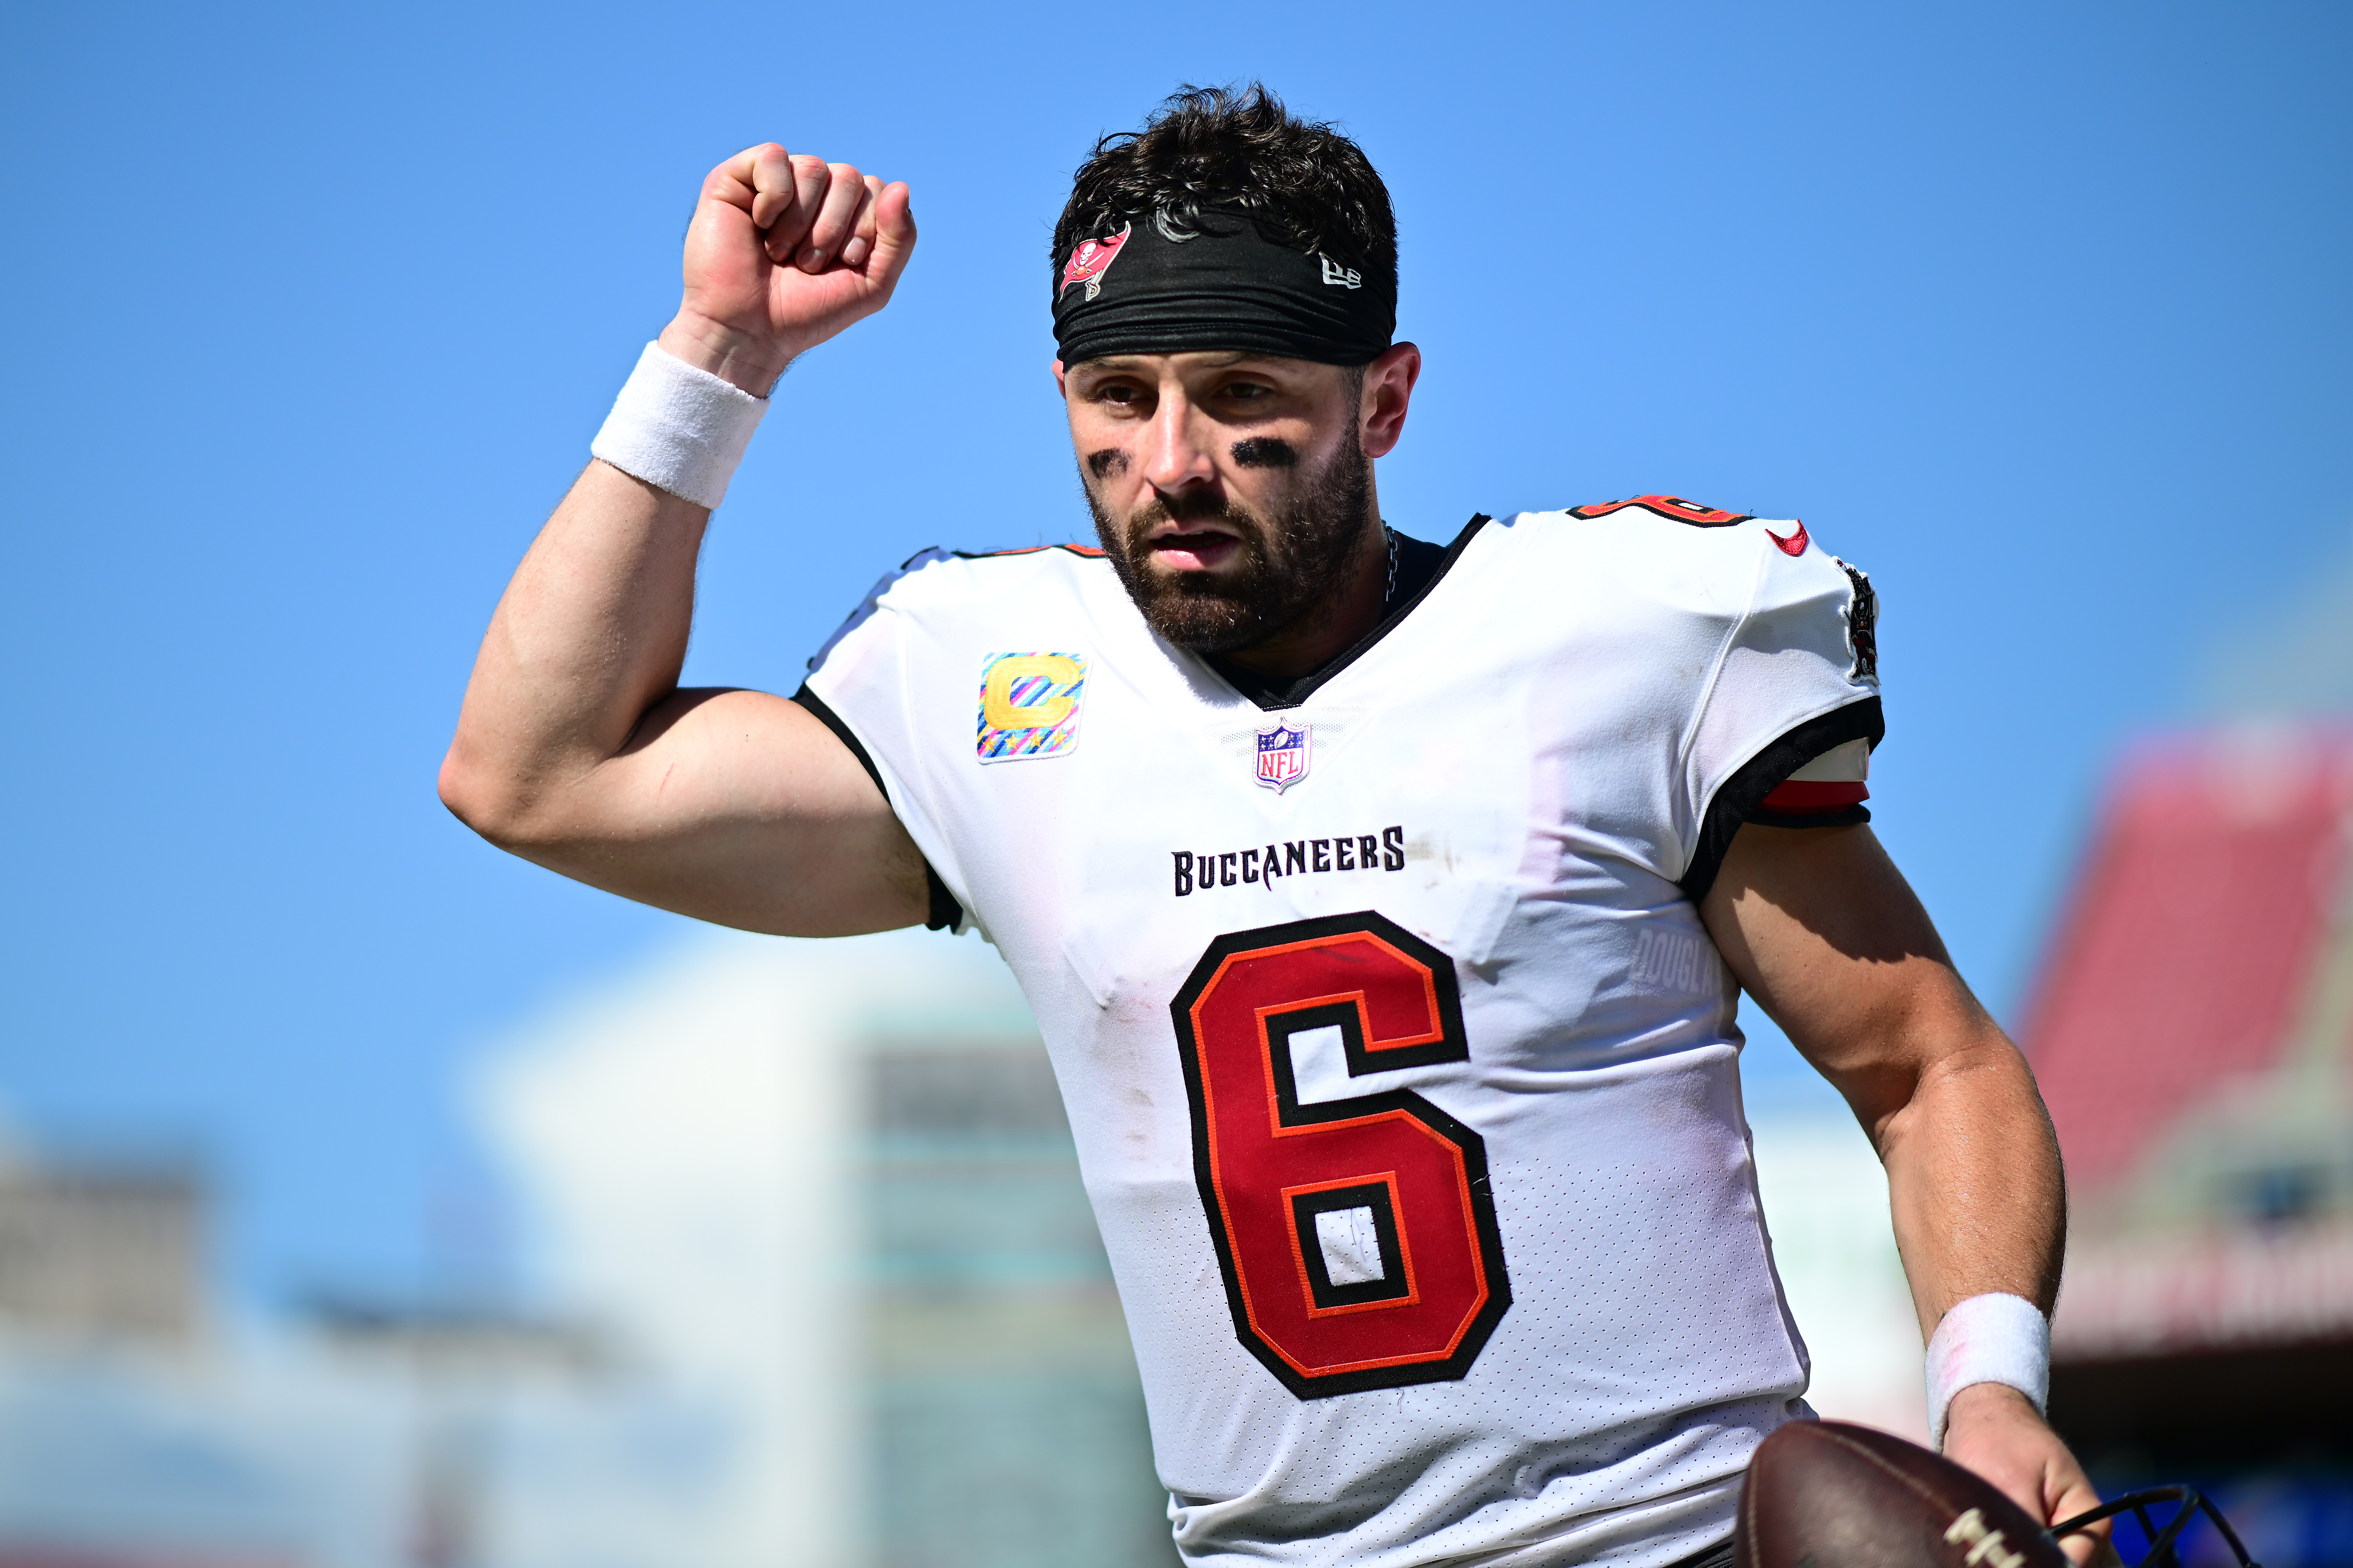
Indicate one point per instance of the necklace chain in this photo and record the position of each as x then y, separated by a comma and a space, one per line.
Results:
1389, 596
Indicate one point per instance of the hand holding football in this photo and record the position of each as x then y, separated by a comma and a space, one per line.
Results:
1825, 1494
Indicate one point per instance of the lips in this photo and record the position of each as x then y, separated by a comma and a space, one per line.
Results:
1197, 550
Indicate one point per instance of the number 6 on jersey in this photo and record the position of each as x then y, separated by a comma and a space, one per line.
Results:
1357, 1236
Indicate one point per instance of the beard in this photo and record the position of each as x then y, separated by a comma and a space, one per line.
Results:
1294, 560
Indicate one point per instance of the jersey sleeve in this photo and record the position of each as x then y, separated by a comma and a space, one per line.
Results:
857, 688
1784, 734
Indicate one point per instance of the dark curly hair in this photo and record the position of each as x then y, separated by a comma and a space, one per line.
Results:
1215, 150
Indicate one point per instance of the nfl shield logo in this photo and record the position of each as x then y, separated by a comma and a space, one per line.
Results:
1282, 756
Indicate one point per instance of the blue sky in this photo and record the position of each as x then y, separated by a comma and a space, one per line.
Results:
2039, 312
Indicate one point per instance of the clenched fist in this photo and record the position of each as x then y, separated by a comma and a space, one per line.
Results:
784, 252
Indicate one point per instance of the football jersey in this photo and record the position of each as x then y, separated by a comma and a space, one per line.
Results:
1403, 1071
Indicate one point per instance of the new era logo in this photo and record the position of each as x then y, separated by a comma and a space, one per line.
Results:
1339, 276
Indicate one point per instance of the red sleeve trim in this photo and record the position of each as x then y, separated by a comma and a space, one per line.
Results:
1806, 795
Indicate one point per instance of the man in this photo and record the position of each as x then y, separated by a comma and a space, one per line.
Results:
1382, 905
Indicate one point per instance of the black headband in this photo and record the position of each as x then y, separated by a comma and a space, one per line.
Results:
1138, 291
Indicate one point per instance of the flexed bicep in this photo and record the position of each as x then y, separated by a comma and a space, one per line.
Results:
736, 807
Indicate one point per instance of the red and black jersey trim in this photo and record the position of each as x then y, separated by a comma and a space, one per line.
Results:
1675, 507
1808, 802
1741, 797
1091, 552
944, 912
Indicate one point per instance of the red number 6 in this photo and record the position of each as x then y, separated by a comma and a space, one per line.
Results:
1357, 1236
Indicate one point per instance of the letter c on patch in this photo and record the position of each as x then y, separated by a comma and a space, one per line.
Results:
997, 699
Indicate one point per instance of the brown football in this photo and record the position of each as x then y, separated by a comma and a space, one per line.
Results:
1823, 1494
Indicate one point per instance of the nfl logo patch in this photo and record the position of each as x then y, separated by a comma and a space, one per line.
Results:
1282, 756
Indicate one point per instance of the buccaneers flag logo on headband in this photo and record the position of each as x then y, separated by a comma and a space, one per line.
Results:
1091, 260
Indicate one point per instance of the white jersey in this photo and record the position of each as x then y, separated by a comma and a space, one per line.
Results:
1403, 1072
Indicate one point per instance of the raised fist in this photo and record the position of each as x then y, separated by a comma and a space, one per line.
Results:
784, 252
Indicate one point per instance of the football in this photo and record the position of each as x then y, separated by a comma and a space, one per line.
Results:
1824, 1494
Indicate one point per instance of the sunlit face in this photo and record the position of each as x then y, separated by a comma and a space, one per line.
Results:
1230, 490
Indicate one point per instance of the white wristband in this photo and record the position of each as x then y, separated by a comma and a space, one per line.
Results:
679, 428
1987, 1338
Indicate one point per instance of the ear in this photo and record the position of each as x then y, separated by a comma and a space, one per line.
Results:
1389, 389
1061, 390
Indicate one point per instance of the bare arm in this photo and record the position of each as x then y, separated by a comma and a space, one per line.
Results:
576, 747
1823, 932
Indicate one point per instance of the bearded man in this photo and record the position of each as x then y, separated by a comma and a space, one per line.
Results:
1404, 1075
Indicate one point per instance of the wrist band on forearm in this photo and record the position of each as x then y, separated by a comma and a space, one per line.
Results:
1987, 1338
679, 428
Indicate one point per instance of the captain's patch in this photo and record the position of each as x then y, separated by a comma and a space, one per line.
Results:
1029, 705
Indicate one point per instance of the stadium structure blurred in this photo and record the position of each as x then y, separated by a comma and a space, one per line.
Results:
811, 1277
2191, 1031
820, 1286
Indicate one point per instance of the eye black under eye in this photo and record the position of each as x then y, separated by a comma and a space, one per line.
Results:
1265, 452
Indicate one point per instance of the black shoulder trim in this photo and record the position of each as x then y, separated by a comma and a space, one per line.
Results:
1294, 693
869, 605
944, 910
842, 732
1862, 622
1738, 797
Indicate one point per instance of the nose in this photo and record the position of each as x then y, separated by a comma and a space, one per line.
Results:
1177, 446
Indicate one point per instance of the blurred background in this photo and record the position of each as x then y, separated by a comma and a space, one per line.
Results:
370, 1198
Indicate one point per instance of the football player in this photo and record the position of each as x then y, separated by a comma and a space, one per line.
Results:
1384, 904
